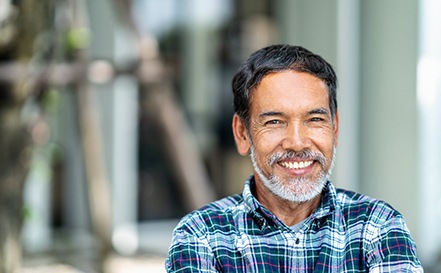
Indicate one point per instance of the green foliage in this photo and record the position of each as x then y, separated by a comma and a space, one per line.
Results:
27, 212
51, 100
77, 39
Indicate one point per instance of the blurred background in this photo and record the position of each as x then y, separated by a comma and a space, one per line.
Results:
115, 118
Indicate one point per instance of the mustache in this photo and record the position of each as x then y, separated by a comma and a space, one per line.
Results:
300, 155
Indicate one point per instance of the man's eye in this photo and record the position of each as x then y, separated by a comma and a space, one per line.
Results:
273, 122
317, 119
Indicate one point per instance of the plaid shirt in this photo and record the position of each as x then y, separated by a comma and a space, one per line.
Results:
348, 232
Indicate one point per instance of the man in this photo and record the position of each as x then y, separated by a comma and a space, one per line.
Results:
290, 218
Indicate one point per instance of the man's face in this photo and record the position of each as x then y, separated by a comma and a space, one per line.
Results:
292, 135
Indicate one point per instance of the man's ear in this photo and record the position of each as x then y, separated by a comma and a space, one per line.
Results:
336, 121
243, 143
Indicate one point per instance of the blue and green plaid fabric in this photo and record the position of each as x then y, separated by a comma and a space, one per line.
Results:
348, 232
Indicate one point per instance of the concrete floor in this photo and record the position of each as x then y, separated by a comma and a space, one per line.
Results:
76, 253
117, 264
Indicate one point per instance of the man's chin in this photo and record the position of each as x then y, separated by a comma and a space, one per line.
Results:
297, 191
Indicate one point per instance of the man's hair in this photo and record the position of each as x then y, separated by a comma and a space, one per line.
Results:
278, 58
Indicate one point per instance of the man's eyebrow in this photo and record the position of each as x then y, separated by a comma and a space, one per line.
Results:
270, 114
320, 111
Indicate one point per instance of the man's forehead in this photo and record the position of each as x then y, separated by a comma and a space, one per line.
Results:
290, 88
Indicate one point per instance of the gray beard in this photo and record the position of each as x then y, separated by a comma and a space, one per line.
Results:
298, 190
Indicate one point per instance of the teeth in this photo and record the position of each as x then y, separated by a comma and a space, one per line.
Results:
296, 165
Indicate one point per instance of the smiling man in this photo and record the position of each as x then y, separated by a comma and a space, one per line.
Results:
289, 217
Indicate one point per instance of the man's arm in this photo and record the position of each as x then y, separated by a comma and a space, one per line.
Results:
392, 249
189, 253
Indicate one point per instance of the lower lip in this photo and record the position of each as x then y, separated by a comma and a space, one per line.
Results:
299, 172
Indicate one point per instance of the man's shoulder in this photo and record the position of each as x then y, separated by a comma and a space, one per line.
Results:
357, 206
225, 204
212, 215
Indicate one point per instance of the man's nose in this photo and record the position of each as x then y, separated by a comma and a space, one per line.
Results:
296, 137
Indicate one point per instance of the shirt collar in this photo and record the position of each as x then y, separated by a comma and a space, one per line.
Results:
327, 205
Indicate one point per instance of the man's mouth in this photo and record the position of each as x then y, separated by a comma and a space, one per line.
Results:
296, 165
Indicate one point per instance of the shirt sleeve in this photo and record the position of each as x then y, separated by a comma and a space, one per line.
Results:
189, 253
392, 249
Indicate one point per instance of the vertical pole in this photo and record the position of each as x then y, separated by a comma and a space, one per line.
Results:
346, 172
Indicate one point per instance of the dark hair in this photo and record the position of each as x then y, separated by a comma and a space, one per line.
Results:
277, 58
